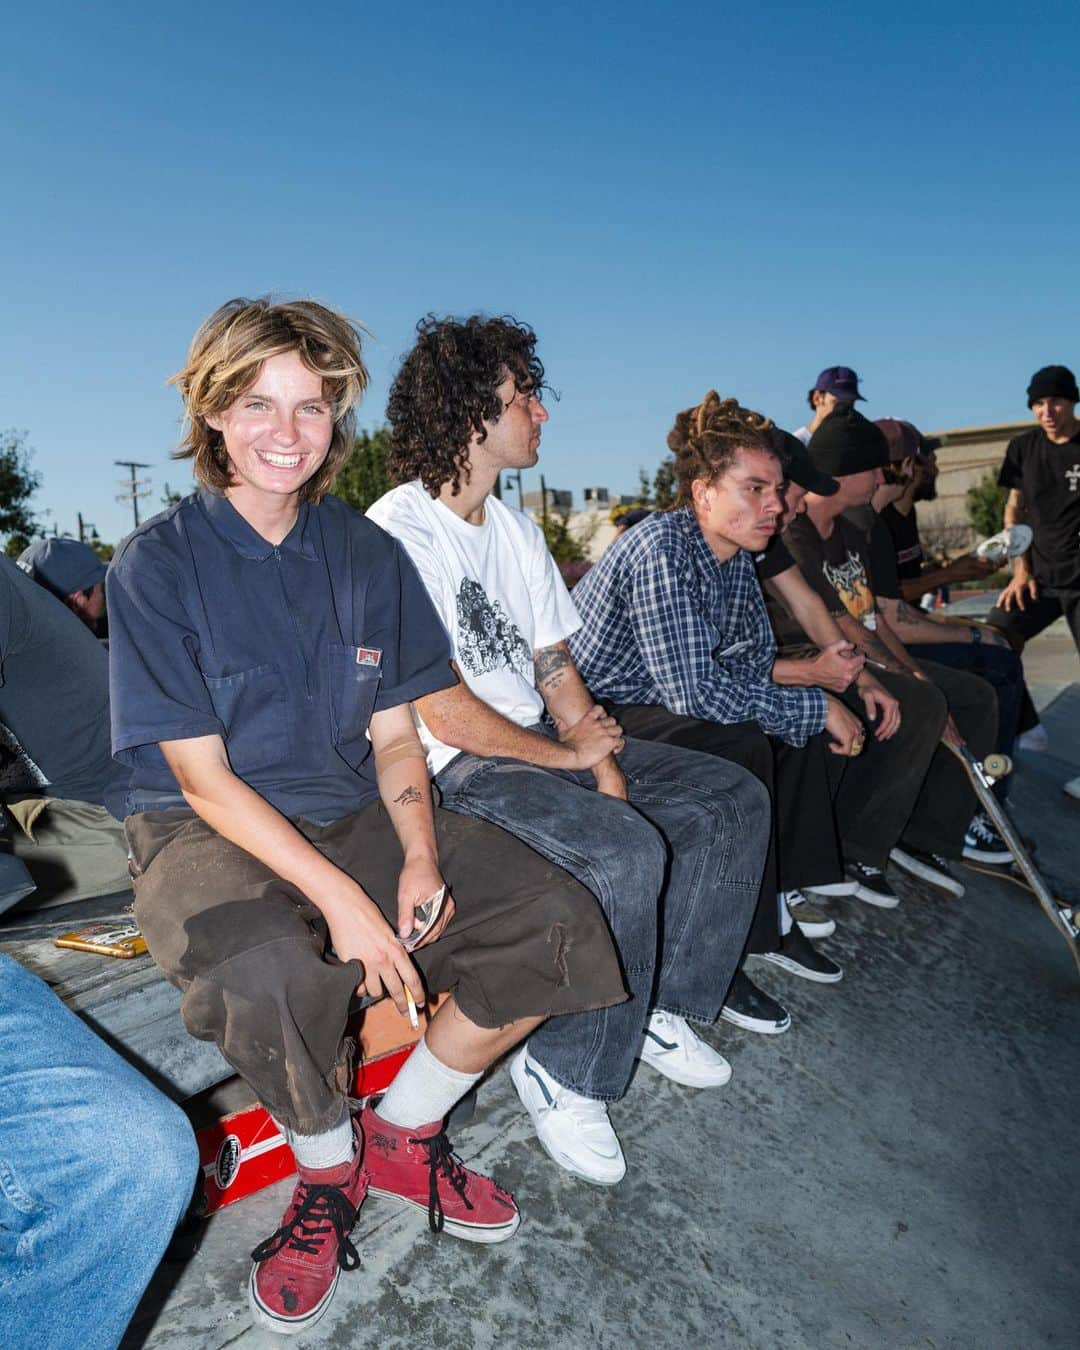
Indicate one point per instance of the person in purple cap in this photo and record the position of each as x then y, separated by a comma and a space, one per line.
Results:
834, 386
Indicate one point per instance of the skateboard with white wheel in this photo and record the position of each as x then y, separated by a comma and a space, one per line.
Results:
983, 776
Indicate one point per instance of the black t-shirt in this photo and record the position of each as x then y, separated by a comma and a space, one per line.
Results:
881, 562
904, 531
1049, 477
773, 560
838, 568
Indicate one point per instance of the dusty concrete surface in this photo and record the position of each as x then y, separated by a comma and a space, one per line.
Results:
893, 1172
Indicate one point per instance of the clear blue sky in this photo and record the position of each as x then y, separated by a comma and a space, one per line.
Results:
676, 196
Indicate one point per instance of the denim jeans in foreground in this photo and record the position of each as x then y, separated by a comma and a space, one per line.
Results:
690, 843
96, 1168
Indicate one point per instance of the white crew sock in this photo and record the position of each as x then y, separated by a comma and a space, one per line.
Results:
329, 1149
785, 914
423, 1090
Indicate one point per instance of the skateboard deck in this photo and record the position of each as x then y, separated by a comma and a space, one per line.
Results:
983, 777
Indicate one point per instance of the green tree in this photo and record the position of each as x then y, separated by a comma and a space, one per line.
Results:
18, 483
563, 546
365, 475
665, 489
986, 506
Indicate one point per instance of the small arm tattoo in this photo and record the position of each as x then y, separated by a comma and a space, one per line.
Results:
408, 797
549, 666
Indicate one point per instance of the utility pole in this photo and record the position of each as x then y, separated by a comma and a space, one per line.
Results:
543, 504
133, 493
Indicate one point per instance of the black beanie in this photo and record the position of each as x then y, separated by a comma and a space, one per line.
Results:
847, 442
1053, 382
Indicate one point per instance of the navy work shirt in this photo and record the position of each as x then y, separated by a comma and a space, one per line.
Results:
284, 652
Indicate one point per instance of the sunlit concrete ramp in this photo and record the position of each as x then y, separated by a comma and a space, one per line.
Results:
896, 1171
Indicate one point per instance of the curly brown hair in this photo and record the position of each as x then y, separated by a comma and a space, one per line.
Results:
225, 358
705, 440
447, 388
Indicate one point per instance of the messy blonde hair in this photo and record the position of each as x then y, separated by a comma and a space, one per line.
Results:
705, 440
225, 358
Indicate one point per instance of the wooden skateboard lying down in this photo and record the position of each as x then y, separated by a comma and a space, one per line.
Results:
983, 776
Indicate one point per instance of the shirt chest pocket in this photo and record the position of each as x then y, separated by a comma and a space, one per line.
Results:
354, 683
252, 707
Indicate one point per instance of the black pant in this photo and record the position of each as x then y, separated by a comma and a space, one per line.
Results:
803, 847
912, 788
1019, 625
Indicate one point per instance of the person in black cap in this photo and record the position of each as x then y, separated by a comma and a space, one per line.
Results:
834, 387
1042, 472
834, 555
73, 572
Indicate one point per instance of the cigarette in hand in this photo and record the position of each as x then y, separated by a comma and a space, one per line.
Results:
413, 1019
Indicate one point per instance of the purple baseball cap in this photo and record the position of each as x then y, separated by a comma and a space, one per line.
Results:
841, 382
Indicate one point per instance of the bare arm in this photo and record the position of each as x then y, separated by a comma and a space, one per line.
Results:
237, 812
1023, 586
968, 568
837, 663
875, 648
402, 774
458, 718
571, 705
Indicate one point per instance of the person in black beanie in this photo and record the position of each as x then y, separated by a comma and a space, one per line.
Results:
1042, 472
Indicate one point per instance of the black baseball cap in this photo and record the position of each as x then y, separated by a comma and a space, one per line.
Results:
797, 464
847, 442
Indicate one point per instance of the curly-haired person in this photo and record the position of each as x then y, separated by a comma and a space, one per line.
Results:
640, 825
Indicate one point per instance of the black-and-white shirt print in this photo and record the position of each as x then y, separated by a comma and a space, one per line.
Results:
488, 640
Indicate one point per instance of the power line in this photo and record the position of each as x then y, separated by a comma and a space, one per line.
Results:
133, 493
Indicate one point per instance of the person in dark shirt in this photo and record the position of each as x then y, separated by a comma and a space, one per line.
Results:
54, 700
1041, 469
267, 641
834, 555
948, 640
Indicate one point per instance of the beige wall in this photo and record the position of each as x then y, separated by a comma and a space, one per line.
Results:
967, 454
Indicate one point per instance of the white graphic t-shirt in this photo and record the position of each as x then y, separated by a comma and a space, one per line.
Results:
497, 591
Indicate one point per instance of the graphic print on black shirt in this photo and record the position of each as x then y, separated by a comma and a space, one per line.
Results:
487, 638
905, 537
1049, 477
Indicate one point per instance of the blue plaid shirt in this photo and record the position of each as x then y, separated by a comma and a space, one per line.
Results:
664, 622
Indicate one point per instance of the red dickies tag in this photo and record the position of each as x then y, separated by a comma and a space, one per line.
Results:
369, 656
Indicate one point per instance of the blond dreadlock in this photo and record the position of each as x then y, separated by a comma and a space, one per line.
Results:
706, 438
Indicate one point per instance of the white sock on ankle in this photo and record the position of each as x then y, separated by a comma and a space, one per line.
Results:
329, 1149
785, 914
424, 1090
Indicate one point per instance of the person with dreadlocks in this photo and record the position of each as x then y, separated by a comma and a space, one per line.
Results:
646, 828
676, 642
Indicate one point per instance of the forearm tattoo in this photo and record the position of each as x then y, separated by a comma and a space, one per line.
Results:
409, 796
550, 666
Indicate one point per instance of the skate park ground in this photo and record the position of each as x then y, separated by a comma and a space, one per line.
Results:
895, 1171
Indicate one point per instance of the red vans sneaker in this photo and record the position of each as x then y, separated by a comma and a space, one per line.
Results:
419, 1168
296, 1269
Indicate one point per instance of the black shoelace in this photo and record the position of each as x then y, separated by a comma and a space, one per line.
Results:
441, 1158
323, 1209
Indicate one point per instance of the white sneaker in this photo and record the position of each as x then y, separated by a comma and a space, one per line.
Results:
671, 1048
1072, 787
1034, 739
845, 887
813, 922
573, 1130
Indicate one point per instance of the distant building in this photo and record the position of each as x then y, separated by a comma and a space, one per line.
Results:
557, 500
966, 456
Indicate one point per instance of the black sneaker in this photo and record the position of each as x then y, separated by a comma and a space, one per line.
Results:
931, 867
798, 956
982, 843
871, 886
752, 1009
